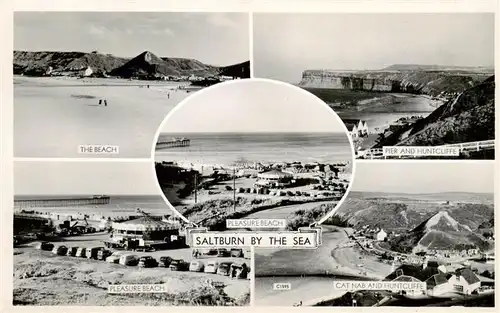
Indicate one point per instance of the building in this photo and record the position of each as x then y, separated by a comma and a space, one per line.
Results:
464, 281
360, 127
381, 235
87, 72
275, 178
353, 130
438, 284
146, 228
409, 279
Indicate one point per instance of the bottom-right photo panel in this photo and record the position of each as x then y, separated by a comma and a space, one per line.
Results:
408, 234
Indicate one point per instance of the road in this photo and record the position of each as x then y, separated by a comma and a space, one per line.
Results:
284, 211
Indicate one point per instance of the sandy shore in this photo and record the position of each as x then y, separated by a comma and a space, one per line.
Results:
55, 110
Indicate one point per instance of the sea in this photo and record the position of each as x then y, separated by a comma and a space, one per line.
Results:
228, 148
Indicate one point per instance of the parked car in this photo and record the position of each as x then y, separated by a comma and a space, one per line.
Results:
45, 246
196, 266
237, 253
165, 261
72, 251
211, 267
179, 265
223, 252
81, 252
129, 260
147, 261
247, 253
60, 250
114, 258
207, 251
103, 254
224, 268
239, 270
92, 253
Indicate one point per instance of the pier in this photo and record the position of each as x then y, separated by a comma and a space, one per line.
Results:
173, 143
60, 202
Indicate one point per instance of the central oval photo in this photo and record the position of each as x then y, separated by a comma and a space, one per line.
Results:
253, 149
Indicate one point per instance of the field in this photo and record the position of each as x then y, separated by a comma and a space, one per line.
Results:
53, 116
41, 278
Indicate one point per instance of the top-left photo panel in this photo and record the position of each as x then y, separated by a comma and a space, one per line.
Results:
98, 84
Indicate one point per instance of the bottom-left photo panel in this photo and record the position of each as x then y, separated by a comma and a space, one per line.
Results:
99, 234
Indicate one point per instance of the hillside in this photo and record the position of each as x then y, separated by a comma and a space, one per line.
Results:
426, 67
469, 197
431, 80
440, 232
148, 64
469, 117
37, 63
241, 70
144, 65
402, 214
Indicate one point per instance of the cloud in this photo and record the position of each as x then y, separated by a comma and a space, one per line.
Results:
97, 30
221, 20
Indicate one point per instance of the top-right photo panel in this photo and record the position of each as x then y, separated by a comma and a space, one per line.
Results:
407, 86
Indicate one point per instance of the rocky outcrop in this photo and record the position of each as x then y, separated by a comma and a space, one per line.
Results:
428, 82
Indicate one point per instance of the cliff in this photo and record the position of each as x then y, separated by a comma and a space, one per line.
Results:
397, 78
145, 64
467, 118
38, 63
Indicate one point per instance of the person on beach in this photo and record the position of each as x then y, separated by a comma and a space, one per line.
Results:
105, 103
168, 95
100, 101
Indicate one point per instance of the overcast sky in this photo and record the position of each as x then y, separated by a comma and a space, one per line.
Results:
428, 177
252, 106
212, 38
287, 44
84, 178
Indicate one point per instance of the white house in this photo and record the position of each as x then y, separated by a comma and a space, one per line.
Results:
361, 127
464, 281
381, 235
353, 130
87, 72
437, 285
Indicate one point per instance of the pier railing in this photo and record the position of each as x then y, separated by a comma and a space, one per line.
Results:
173, 144
476, 146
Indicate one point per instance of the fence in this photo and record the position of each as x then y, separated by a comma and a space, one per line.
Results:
378, 153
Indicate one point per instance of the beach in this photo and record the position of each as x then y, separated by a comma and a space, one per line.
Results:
227, 148
54, 115
312, 282
380, 112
